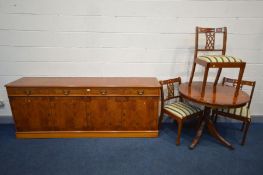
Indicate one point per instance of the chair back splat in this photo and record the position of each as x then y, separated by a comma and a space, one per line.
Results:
210, 40
170, 86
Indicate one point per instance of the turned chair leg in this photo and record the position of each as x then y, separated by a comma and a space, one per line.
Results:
192, 73
217, 76
245, 132
180, 126
204, 81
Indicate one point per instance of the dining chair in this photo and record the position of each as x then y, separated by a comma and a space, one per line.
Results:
209, 41
174, 106
243, 113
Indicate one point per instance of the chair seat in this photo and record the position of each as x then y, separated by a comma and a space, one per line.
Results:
219, 59
242, 112
181, 109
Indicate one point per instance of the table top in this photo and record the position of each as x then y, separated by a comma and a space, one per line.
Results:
220, 96
85, 82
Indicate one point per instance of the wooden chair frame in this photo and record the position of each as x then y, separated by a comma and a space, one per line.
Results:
246, 121
170, 96
210, 34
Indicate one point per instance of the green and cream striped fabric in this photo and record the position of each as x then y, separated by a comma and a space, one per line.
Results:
243, 111
219, 59
181, 109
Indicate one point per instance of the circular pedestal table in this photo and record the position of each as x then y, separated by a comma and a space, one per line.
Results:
218, 96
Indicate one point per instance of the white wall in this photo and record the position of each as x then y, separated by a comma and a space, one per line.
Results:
122, 38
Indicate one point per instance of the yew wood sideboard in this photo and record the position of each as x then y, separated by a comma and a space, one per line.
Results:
68, 107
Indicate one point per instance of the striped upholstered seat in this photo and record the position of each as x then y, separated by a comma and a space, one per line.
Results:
243, 111
219, 59
181, 109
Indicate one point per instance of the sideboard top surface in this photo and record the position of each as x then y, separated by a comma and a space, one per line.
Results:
85, 82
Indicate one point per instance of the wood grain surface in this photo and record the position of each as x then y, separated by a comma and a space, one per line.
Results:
220, 96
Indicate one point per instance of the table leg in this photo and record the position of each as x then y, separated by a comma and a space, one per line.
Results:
198, 134
211, 128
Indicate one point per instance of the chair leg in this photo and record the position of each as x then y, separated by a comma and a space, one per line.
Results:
240, 75
180, 126
217, 76
245, 132
214, 116
204, 81
215, 119
160, 119
192, 73
243, 126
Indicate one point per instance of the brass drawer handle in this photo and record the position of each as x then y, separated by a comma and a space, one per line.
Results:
103, 92
66, 92
140, 92
27, 92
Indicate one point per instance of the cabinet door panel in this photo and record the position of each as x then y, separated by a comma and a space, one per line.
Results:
69, 113
31, 113
140, 113
19, 111
40, 113
105, 113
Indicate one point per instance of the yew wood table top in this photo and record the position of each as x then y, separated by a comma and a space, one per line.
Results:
214, 97
85, 82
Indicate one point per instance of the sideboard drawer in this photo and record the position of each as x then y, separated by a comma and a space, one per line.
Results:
28, 91
142, 91
104, 91
46, 91
123, 91
69, 91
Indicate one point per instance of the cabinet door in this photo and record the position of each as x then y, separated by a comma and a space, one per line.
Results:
31, 113
69, 113
20, 113
140, 113
105, 113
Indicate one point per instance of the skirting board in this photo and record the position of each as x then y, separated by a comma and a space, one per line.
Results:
6, 120
255, 119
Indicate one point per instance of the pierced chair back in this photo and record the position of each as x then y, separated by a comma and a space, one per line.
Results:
210, 35
169, 90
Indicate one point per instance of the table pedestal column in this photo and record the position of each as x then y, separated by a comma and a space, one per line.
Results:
206, 120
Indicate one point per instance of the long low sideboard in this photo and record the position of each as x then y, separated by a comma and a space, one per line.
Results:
68, 107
